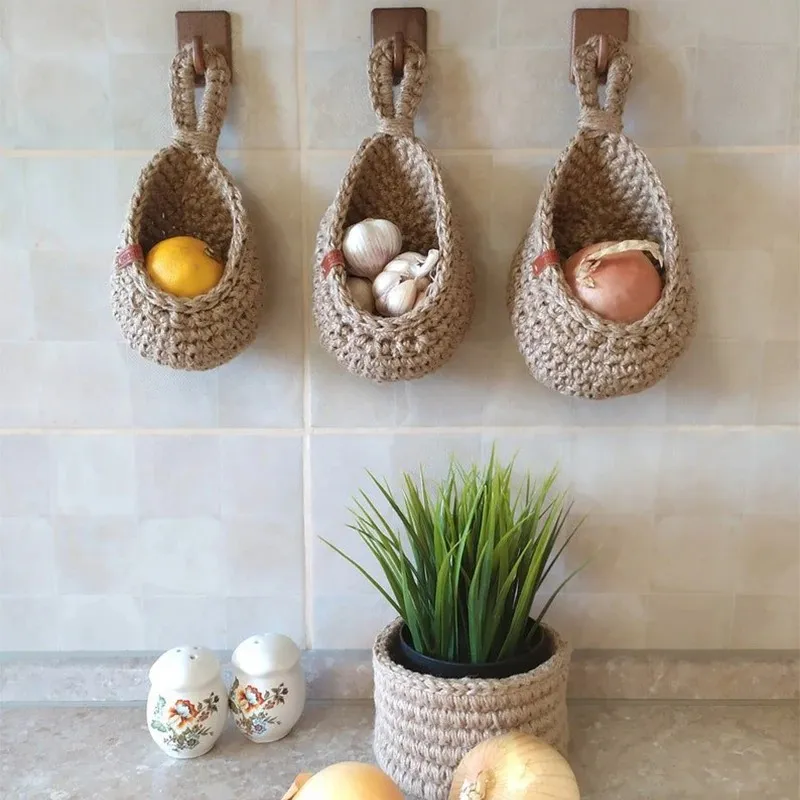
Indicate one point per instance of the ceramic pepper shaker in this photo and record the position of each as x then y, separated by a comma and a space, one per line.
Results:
186, 708
269, 689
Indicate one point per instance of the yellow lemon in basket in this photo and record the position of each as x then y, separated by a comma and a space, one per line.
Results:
184, 266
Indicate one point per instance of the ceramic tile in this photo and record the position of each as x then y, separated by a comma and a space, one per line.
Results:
712, 383
348, 622
766, 622
71, 203
338, 111
25, 476
748, 88
178, 476
94, 475
172, 621
262, 478
27, 557
41, 26
147, 26
13, 227
617, 551
616, 472
8, 107
282, 571
335, 24
757, 191
778, 400
56, 95
461, 99
768, 556
269, 24
773, 485
57, 278
40, 631
183, 556
770, 22
84, 385
166, 398
109, 622
689, 621
16, 304
262, 107
140, 100
21, 367
246, 616
784, 321
695, 553
98, 555
703, 472
530, 81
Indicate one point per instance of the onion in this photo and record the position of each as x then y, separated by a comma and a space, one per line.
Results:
349, 780
514, 766
620, 286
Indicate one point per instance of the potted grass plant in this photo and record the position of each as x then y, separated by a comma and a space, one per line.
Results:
465, 660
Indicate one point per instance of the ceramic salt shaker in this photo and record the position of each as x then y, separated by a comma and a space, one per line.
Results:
269, 689
186, 708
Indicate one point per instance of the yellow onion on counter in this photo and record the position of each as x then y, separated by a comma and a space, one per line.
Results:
349, 780
616, 280
514, 766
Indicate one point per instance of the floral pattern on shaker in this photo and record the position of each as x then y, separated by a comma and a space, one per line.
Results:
251, 708
182, 723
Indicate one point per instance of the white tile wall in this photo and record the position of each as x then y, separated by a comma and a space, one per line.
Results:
141, 507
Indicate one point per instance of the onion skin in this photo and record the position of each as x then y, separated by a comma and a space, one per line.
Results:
514, 766
626, 285
349, 780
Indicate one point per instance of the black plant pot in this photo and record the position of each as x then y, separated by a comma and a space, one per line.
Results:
541, 650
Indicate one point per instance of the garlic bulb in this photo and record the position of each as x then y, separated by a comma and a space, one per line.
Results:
361, 291
396, 294
413, 265
370, 245
514, 766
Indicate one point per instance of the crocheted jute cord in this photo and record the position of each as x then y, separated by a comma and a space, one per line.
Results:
424, 726
185, 191
603, 187
393, 176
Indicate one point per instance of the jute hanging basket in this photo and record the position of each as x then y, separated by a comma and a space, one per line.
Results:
424, 726
185, 191
393, 176
602, 188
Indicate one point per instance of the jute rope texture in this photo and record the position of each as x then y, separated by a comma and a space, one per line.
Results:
394, 176
603, 187
185, 191
424, 726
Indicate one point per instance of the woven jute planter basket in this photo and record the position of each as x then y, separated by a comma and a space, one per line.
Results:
424, 726
602, 188
393, 176
185, 191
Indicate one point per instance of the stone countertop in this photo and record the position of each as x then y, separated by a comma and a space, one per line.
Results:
620, 751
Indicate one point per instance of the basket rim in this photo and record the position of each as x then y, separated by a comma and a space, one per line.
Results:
236, 251
384, 663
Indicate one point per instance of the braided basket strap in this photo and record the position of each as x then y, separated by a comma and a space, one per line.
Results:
396, 118
595, 118
199, 133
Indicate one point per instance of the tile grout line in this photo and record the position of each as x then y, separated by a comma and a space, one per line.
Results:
300, 96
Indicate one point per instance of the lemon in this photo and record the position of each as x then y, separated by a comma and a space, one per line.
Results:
183, 266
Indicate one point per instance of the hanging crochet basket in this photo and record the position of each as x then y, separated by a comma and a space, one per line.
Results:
424, 726
393, 176
602, 188
185, 191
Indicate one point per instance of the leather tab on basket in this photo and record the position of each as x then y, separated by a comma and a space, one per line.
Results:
550, 258
128, 255
335, 258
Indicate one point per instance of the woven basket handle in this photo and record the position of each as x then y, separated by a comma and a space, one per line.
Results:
199, 134
396, 118
593, 116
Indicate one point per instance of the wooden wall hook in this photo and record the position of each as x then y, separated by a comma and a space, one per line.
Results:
199, 28
400, 25
588, 22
